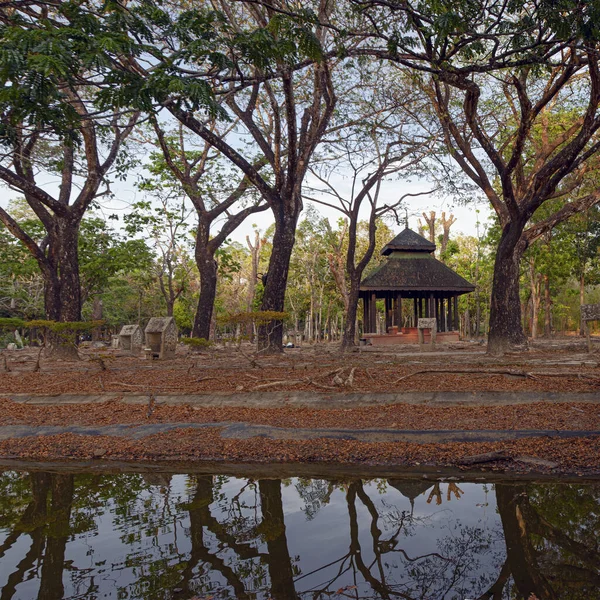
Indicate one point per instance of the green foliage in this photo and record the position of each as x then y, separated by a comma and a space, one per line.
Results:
103, 253
11, 323
229, 258
66, 328
197, 343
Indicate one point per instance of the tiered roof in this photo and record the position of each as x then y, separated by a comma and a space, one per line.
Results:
411, 267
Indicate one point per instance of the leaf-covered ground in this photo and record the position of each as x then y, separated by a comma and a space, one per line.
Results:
462, 369
538, 415
574, 456
465, 369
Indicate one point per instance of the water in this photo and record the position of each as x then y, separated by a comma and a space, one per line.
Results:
163, 536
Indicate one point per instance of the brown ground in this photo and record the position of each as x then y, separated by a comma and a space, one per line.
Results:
545, 369
538, 415
575, 456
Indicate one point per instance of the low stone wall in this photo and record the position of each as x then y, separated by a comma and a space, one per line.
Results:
410, 337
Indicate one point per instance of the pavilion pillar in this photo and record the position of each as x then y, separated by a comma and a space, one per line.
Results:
432, 307
449, 325
443, 314
373, 313
416, 311
455, 299
388, 311
399, 311
365, 300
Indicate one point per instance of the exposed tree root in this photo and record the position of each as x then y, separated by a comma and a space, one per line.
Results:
262, 386
513, 372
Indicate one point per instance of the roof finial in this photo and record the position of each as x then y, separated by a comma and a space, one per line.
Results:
406, 219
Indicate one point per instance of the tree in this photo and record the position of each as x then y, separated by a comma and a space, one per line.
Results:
310, 283
583, 231
383, 134
51, 127
104, 253
21, 286
255, 251
166, 224
217, 199
257, 64
516, 88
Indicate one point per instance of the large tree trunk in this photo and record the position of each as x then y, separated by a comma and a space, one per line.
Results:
206, 302
522, 555
505, 311
349, 335
279, 560
207, 267
62, 289
51, 580
270, 336
68, 263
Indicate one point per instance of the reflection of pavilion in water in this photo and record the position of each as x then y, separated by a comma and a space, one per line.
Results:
252, 556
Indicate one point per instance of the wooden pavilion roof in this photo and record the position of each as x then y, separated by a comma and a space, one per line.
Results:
409, 241
411, 267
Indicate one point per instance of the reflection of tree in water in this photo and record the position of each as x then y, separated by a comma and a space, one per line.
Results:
239, 543
551, 535
393, 571
46, 520
315, 494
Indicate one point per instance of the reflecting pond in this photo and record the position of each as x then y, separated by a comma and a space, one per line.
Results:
163, 536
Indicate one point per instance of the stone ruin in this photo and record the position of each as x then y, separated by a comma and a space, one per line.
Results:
131, 339
161, 338
423, 324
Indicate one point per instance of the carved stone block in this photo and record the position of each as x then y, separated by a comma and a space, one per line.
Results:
161, 337
423, 324
131, 338
590, 312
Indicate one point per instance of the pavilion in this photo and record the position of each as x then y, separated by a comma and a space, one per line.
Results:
413, 285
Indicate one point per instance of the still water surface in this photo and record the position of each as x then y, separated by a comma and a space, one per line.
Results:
163, 536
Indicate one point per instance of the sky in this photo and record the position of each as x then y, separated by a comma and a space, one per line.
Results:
125, 193
466, 213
